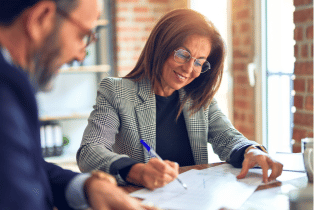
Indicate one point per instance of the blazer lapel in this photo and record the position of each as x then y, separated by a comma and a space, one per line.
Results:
197, 130
146, 116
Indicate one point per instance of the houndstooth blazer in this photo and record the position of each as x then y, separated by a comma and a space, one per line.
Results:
125, 112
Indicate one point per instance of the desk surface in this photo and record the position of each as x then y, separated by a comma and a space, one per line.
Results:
270, 196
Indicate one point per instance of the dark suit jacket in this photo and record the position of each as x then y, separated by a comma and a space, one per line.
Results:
26, 180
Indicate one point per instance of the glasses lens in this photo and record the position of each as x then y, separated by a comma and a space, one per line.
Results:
182, 56
205, 66
201, 65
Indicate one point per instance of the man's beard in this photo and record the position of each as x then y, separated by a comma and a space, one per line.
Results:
46, 62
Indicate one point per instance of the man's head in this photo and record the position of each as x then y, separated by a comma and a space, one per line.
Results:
42, 35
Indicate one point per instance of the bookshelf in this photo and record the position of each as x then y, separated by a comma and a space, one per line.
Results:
73, 93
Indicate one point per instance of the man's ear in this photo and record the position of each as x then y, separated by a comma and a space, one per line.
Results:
40, 21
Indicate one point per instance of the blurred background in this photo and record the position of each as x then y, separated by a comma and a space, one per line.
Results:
267, 88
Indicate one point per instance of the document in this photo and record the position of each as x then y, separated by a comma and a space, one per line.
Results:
211, 188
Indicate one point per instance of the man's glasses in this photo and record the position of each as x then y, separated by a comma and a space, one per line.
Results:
182, 56
91, 35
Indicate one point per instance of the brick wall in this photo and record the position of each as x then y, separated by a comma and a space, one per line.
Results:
243, 46
243, 51
134, 22
303, 70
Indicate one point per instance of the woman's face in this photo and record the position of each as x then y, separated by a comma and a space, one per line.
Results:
175, 75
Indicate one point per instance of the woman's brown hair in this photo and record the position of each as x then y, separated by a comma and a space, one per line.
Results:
170, 33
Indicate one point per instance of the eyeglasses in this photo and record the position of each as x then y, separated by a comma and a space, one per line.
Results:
91, 35
201, 65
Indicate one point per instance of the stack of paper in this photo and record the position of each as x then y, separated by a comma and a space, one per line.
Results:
211, 188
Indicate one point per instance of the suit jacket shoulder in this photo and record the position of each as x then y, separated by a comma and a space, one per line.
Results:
20, 151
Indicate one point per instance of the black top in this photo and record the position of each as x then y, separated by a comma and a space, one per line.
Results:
172, 141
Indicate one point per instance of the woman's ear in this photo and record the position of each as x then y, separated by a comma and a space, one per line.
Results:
39, 21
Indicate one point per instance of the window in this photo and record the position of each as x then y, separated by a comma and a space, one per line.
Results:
275, 61
219, 13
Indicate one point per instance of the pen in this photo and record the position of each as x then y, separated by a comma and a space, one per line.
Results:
153, 154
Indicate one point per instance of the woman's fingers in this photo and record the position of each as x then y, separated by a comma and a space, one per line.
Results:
159, 173
256, 157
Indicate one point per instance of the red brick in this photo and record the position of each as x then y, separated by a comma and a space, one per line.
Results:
309, 103
298, 33
299, 85
303, 68
144, 39
145, 19
309, 32
236, 41
119, 1
309, 134
161, 9
234, 29
241, 79
302, 2
303, 119
125, 68
127, 39
304, 15
298, 101
304, 51
148, 28
158, 1
296, 148
237, 3
310, 86
240, 54
298, 134
248, 40
240, 91
247, 131
241, 104
296, 51
128, 29
245, 27
239, 117
239, 67
251, 118
121, 9
243, 14
121, 19
141, 9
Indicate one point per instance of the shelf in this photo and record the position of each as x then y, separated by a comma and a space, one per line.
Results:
66, 161
64, 117
102, 23
86, 69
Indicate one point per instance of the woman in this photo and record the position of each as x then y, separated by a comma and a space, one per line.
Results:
167, 100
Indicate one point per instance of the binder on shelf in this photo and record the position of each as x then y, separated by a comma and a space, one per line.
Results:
51, 139
43, 141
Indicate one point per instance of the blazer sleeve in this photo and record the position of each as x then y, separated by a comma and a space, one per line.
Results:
18, 169
59, 179
24, 173
96, 150
222, 135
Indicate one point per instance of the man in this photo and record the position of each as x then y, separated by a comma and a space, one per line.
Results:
36, 38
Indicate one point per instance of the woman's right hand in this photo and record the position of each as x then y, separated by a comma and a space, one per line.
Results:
156, 173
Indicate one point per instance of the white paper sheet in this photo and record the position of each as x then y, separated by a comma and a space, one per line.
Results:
210, 188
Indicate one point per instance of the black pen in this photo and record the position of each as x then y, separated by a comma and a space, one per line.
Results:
153, 154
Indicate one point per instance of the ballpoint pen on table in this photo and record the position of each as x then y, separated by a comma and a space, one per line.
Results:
152, 153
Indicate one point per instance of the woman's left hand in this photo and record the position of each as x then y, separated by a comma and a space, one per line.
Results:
255, 157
